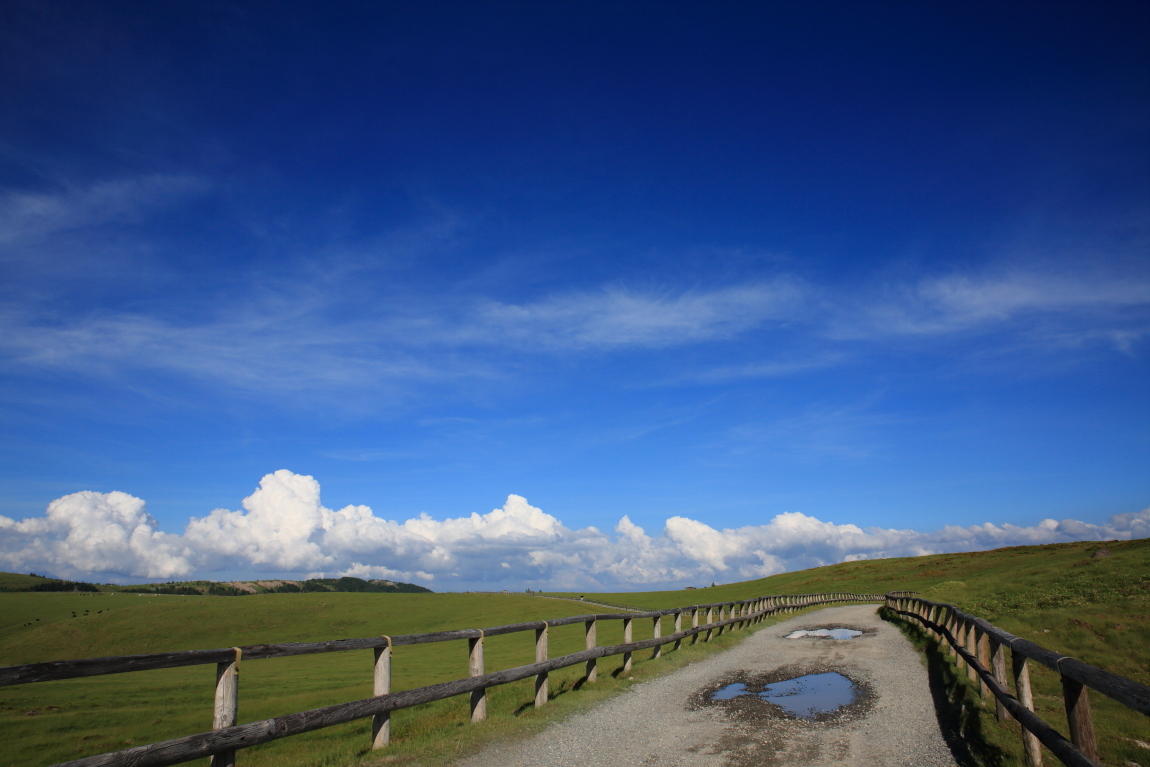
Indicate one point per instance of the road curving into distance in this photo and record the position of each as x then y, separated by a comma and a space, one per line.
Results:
674, 720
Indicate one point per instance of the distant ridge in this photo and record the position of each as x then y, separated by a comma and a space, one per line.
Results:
11, 582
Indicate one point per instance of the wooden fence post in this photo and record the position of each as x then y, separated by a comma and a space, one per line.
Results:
656, 632
475, 668
628, 638
984, 661
381, 723
998, 663
1026, 697
960, 639
710, 620
227, 704
540, 656
694, 624
592, 667
678, 628
972, 648
1077, 702
952, 627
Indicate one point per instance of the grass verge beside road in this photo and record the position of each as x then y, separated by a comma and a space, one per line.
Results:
1096, 609
50, 722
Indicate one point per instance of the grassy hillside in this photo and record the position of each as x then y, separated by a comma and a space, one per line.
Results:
34, 582
1097, 610
55, 721
1094, 609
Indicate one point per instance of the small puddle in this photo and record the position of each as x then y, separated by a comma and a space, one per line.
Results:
805, 696
824, 634
731, 691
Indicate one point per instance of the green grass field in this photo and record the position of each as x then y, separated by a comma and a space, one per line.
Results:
80, 717
1096, 610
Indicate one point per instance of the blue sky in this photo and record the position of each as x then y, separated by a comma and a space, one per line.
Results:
878, 265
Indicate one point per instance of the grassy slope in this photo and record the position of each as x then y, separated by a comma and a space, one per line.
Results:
19, 581
1097, 610
1094, 609
89, 716
148, 706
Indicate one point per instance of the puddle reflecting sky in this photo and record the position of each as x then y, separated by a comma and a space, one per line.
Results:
825, 634
805, 696
731, 691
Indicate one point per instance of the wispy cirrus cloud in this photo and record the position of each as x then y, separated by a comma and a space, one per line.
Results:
963, 303
288, 341
248, 351
30, 217
283, 527
302, 330
617, 317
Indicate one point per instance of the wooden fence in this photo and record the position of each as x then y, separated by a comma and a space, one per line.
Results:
980, 648
226, 737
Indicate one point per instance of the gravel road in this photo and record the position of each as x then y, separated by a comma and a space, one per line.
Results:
674, 721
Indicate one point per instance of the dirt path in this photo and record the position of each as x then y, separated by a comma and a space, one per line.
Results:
674, 721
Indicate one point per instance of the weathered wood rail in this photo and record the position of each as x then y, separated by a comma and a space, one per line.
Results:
227, 737
979, 648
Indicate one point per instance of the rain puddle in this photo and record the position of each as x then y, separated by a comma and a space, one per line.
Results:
731, 691
805, 697
824, 634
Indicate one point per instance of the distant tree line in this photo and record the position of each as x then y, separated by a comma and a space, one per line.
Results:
198, 588
48, 583
348, 583
58, 585
187, 591
312, 585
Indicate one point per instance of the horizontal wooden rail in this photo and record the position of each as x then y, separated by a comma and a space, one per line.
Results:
70, 669
980, 646
1126, 691
228, 739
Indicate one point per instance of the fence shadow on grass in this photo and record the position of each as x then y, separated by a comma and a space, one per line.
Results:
956, 705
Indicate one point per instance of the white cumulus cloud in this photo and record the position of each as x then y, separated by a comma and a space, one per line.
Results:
283, 527
85, 533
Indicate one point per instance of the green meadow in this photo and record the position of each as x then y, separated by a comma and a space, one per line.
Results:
1093, 609
50, 722
1059, 596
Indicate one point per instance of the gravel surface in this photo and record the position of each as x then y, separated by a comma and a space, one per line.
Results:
673, 720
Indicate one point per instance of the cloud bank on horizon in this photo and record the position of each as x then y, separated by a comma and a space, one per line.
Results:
283, 528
